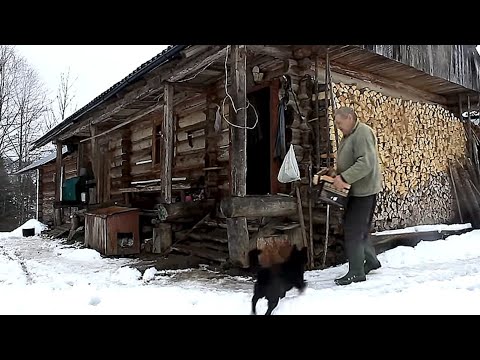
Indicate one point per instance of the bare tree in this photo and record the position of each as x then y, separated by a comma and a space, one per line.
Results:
31, 105
58, 109
9, 63
26, 113
23, 105
65, 94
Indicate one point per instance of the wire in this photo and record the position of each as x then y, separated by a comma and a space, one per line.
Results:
233, 103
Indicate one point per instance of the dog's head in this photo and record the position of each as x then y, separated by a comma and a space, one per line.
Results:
298, 257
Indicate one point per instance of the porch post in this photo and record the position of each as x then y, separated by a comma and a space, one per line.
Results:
238, 237
167, 148
57, 218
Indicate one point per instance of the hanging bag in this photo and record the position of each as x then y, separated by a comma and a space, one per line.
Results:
289, 170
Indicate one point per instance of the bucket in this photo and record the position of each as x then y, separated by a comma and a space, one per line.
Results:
28, 232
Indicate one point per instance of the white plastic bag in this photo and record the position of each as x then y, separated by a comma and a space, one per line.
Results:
289, 170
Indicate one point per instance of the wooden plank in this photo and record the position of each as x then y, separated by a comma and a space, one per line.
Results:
167, 145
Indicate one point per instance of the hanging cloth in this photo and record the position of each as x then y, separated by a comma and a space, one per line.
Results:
280, 144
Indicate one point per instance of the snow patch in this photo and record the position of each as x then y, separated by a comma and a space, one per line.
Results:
81, 255
149, 274
127, 276
94, 301
424, 228
32, 223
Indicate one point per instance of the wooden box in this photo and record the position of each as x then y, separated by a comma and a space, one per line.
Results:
328, 194
113, 230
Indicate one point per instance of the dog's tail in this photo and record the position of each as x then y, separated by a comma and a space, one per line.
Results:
253, 258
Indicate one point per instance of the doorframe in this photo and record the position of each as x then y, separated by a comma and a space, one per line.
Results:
274, 86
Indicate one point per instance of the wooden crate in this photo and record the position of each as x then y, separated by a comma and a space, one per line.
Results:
113, 231
328, 194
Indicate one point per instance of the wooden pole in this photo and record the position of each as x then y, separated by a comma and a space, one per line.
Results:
300, 216
327, 120
310, 216
325, 246
317, 122
238, 237
167, 148
330, 89
58, 184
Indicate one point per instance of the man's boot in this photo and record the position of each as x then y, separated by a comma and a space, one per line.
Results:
356, 272
371, 260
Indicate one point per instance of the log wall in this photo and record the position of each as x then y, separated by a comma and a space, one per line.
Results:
47, 187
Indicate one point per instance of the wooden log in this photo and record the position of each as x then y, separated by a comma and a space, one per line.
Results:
238, 241
258, 206
167, 145
162, 238
190, 209
238, 238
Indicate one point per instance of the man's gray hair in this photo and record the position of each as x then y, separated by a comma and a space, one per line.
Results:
344, 111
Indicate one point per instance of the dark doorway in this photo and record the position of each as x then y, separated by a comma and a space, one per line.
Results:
258, 143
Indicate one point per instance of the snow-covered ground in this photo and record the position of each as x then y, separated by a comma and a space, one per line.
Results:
40, 276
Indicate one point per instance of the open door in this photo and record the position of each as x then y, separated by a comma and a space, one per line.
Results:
258, 143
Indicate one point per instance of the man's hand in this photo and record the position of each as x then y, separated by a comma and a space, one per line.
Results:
339, 184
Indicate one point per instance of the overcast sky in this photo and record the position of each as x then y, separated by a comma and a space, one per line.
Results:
96, 67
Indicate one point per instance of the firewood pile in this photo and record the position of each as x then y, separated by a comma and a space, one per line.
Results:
416, 142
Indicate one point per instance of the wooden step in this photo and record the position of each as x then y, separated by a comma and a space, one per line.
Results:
208, 254
207, 245
217, 235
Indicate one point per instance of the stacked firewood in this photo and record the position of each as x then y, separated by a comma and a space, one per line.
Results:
416, 142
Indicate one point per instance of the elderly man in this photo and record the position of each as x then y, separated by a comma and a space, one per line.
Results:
357, 165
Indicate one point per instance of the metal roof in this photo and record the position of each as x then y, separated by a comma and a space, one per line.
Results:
50, 157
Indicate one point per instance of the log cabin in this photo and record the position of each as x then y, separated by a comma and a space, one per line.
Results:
195, 138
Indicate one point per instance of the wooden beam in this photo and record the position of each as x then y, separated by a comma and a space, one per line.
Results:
188, 66
195, 88
137, 116
193, 209
167, 144
376, 79
152, 87
238, 238
270, 51
258, 206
